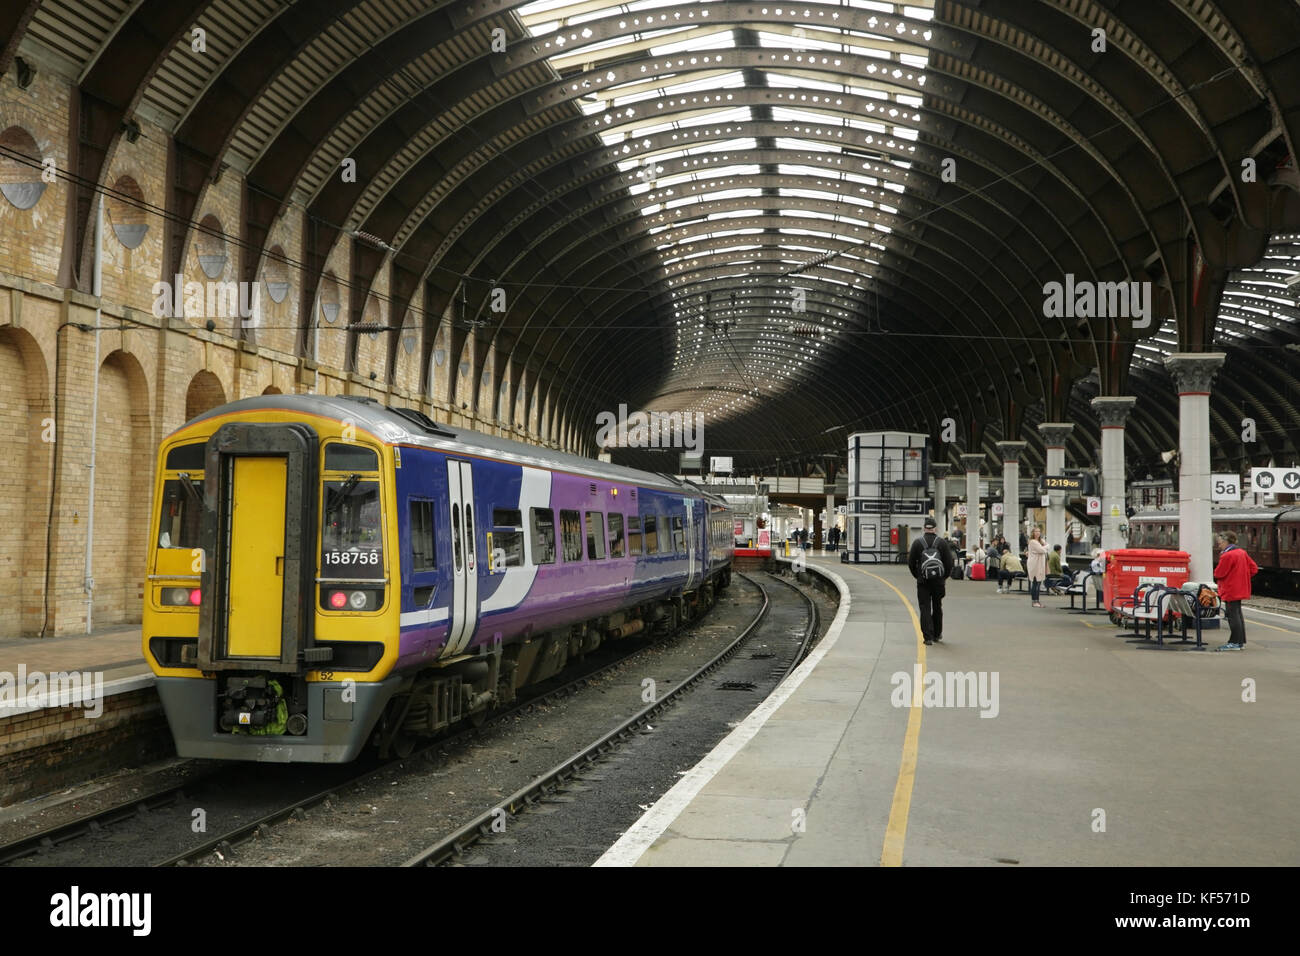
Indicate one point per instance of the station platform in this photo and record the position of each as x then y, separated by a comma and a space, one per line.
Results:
1087, 750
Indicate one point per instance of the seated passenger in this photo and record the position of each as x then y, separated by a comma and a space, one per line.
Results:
1011, 568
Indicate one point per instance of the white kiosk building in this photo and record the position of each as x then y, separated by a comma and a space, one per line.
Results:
887, 495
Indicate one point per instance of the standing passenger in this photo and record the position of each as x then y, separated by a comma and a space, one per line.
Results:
1233, 573
930, 561
1036, 565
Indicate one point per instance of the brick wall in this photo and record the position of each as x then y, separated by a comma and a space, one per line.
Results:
60, 746
154, 373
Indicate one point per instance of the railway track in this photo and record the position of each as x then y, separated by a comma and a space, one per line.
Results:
51, 838
452, 846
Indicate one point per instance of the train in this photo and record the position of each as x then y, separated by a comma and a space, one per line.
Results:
1270, 535
328, 573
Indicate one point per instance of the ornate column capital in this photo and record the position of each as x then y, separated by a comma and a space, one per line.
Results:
1011, 450
972, 462
1113, 410
940, 469
1193, 372
1055, 433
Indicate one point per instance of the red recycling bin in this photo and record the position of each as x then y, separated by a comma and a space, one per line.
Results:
1126, 568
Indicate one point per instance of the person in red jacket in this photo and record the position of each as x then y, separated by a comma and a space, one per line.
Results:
1233, 574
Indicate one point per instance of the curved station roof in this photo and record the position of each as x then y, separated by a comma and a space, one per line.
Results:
797, 220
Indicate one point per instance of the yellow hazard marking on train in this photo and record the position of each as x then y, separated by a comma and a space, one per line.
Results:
891, 853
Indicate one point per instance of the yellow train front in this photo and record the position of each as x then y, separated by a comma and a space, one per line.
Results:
260, 652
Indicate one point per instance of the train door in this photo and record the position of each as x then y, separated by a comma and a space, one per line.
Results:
464, 558
258, 530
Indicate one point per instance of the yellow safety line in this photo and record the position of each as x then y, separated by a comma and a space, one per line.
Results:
1274, 627
896, 830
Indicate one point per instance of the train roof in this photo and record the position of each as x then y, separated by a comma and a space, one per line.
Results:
1292, 513
411, 427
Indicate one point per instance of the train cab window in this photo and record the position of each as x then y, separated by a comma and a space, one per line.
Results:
351, 533
422, 537
633, 535
616, 536
679, 533
651, 534
571, 535
189, 457
508, 537
341, 457
543, 522
595, 536
182, 512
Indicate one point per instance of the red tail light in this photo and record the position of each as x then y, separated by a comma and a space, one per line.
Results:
338, 600
196, 597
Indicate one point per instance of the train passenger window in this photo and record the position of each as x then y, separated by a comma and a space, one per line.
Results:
182, 513
508, 535
616, 536
422, 551
455, 537
679, 533
352, 537
633, 535
1161, 538
651, 534
341, 457
595, 536
469, 534
543, 521
571, 535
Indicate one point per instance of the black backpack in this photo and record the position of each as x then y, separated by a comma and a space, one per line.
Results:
931, 562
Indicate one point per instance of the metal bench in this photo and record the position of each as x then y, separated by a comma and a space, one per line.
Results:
1080, 588
1148, 605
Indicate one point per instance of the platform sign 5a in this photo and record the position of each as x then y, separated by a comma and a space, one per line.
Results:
1225, 487
1094, 506
1272, 481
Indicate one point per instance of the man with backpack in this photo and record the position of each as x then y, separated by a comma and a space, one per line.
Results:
930, 561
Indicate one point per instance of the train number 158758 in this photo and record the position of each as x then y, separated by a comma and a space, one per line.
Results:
351, 557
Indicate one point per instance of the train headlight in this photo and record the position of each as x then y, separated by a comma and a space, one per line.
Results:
338, 600
358, 600
180, 597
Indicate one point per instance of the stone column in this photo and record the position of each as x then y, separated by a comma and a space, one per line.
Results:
1192, 373
940, 472
972, 464
1112, 412
1011, 452
1054, 436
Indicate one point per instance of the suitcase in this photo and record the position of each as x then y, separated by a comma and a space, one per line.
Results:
977, 571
